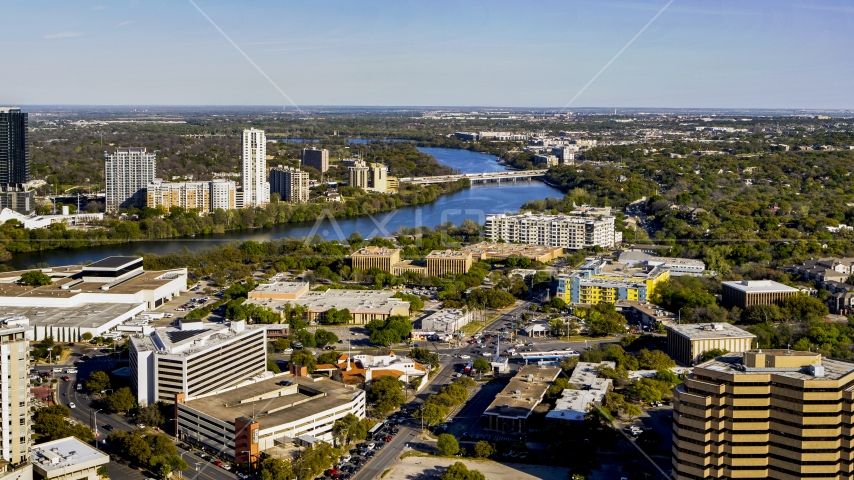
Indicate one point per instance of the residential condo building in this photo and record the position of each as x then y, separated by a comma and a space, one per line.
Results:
256, 188
128, 171
205, 197
764, 414
15, 161
195, 359
14, 386
316, 158
602, 281
372, 177
290, 183
572, 232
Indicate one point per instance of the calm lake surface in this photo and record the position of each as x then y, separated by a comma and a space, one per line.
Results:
472, 203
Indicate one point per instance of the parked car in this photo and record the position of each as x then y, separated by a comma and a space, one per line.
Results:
289, 350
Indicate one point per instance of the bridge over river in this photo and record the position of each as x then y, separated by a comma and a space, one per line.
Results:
508, 176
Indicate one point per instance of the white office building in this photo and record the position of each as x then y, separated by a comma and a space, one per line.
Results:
256, 188
127, 173
195, 359
567, 231
68, 459
448, 320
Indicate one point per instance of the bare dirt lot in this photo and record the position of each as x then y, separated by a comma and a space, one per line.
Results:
427, 468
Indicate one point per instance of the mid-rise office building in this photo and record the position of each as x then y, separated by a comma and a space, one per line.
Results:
68, 458
195, 359
502, 251
14, 401
572, 232
15, 161
316, 158
127, 173
686, 343
764, 414
241, 422
545, 161
745, 293
290, 183
370, 257
565, 155
448, 262
256, 188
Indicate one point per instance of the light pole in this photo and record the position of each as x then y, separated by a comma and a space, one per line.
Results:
95, 424
250, 460
181, 472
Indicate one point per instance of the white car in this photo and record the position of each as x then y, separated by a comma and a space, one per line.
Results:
72, 405
289, 350
465, 357
346, 458
487, 354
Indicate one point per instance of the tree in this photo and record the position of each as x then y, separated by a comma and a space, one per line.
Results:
483, 449
35, 278
631, 410
304, 358
448, 445
558, 386
803, 307
324, 337
275, 469
459, 471
51, 423
272, 366
150, 415
654, 360
425, 356
121, 400
387, 392
481, 365
98, 381
86, 336
646, 390
713, 354
103, 471
433, 414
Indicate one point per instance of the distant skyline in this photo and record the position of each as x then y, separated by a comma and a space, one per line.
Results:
728, 54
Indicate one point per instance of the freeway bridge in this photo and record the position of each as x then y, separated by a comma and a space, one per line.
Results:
509, 176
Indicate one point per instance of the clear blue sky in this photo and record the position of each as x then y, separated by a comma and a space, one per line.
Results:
698, 53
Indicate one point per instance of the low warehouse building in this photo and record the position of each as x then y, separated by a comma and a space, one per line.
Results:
510, 410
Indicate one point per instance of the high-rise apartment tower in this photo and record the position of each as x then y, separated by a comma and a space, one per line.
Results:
127, 173
256, 188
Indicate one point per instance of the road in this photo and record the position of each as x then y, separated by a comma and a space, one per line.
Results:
409, 430
67, 393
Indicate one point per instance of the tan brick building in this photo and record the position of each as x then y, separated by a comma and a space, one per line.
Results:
375, 257
687, 343
755, 292
445, 262
773, 414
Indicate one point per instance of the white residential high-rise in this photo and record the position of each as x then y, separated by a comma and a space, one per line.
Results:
127, 173
15, 412
256, 188
567, 231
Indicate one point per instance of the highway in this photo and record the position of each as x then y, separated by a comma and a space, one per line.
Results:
478, 177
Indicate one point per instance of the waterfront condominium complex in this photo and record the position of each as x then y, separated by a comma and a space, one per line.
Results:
372, 178
14, 401
127, 173
15, 161
195, 359
290, 183
567, 231
316, 158
202, 196
765, 414
370, 257
256, 188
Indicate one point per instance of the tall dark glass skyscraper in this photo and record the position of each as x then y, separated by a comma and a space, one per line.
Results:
15, 161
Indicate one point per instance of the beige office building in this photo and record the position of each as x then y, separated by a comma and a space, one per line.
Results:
448, 262
755, 292
687, 343
375, 257
772, 414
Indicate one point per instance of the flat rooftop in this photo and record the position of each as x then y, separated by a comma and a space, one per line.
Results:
509, 404
66, 452
357, 301
586, 374
376, 251
281, 287
507, 249
91, 315
72, 278
760, 286
448, 254
192, 337
731, 363
704, 331
272, 404
113, 262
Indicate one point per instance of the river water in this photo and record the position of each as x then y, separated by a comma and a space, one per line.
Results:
471, 203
